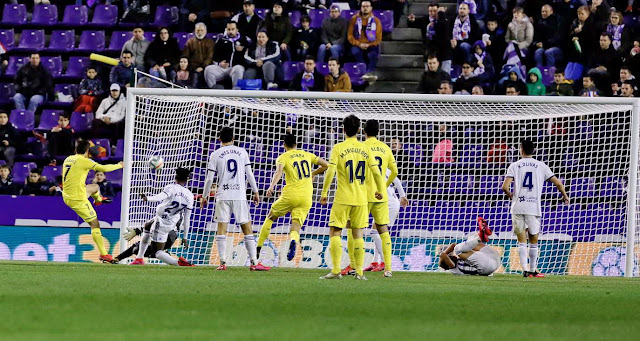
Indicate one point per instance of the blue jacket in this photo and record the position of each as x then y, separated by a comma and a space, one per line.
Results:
121, 74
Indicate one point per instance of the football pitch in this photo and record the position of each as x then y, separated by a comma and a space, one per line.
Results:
73, 301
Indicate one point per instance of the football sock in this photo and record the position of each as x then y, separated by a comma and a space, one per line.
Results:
165, 257
467, 246
358, 250
264, 231
522, 252
377, 255
97, 238
144, 244
294, 235
533, 257
352, 257
221, 242
250, 244
386, 250
335, 248
97, 197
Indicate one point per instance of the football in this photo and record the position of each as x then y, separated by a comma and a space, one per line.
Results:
156, 162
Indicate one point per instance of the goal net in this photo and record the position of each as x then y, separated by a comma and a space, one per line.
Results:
452, 154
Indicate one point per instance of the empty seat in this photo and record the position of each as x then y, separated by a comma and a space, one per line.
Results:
386, 20
49, 119
291, 69
262, 12
355, 72
21, 170
150, 35
165, 16
91, 41
295, 16
31, 40
75, 16
66, 89
182, 38
51, 172
7, 90
23, 120
14, 14
119, 154
547, 75
62, 41
76, 67
45, 15
104, 16
317, 16
582, 187
53, 65
118, 38
323, 68
81, 122
8, 38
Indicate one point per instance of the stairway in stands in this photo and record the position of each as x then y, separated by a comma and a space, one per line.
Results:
401, 60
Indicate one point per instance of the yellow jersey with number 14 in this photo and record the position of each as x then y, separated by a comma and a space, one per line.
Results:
74, 175
297, 170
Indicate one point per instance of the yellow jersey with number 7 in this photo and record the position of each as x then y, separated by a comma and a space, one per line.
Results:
74, 175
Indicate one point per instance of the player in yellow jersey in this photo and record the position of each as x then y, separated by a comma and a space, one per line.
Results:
378, 208
297, 193
75, 192
351, 159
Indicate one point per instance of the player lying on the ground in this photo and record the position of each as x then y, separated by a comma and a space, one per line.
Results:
472, 257
297, 193
528, 176
176, 203
151, 251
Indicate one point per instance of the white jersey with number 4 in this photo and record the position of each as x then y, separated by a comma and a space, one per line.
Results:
528, 176
178, 201
230, 163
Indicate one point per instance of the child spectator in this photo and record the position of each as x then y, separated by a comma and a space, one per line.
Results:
36, 184
89, 91
7, 187
494, 42
588, 88
467, 79
619, 32
305, 39
184, 76
485, 70
61, 138
560, 86
106, 188
8, 139
534, 83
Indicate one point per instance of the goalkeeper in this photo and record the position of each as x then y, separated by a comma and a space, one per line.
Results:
151, 251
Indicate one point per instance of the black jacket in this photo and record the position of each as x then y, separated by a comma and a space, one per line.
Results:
551, 32
431, 80
37, 188
278, 28
609, 58
33, 81
160, 52
318, 81
248, 29
440, 43
106, 189
8, 187
225, 49
9, 133
311, 37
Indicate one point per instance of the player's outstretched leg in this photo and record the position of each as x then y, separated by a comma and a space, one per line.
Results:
183, 262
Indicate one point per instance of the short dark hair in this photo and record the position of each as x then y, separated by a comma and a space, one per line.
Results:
289, 140
446, 82
432, 56
5, 166
32, 53
629, 82
305, 18
606, 34
309, 57
3, 112
126, 52
226, 135
334, 59
65, 115
182, 174
559, 72
625, 67
518, 9
82, 146
372, 127
232, 22
91, 67
36, 170
351, 124
527, 146
433, 4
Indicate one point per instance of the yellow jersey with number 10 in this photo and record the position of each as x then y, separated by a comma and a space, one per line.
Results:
297, 170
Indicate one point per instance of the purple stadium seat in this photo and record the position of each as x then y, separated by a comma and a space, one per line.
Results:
295, 16
262, 12
182, 38
21, 171
456, 70
150, 35
7, 90
45, 15
119, 155
104, 16
81, 122
547, 75
49, 119
67, 89
51, 172
3, 162
31, 40
613, 187
165, 16
104, 143
115, 177
386, 20
323, 68
23, 120
415, 153
8, 38
355, 71
75, 16
317, 16
14, 14
118, 38
91, 41
582, 187
35, 150
76, 67
291, 68
53, 64
62, 41
348, 14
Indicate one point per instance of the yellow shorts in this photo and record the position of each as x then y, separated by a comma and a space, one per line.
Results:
380, 212
341, 214
299, 208
83, 208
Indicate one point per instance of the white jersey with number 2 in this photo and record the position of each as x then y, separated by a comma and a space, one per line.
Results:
528, 176
230, 163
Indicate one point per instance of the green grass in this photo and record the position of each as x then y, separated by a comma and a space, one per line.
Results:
71, 301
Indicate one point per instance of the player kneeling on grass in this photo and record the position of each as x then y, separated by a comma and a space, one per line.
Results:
151, 251
472, 257
297, 193
176, 203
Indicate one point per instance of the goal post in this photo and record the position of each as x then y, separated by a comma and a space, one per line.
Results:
452, 153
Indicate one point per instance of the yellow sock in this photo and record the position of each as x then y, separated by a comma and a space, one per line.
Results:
294, 235
264, 231
358, 250
97, 238
97, 197
386, 250
352, 257
335, 248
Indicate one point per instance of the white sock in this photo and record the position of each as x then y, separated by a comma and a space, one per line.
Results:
522, 251
533, 257
377, 253
165, 257
467, 246
221, 241
144, 244
250, 244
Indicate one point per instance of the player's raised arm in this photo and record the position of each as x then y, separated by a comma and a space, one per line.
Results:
155, 198
276, 178
560, 186
90, 164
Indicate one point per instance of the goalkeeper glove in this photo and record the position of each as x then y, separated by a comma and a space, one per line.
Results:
129, 234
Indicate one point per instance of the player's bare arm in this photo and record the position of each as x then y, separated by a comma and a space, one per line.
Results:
324, 165
506, 187
560, 186
276, 178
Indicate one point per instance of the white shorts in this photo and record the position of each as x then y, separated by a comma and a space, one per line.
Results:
394, 210
486, 261
522, 222
239, 208
159, 233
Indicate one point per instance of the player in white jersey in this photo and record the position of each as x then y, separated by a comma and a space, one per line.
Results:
394, 210
176, 202
528, 176
472, 257
232, 166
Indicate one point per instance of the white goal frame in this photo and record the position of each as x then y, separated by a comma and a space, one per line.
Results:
632, 103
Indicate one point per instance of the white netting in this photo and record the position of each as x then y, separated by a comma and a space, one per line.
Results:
586, 145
